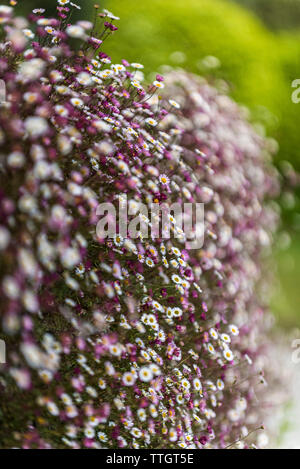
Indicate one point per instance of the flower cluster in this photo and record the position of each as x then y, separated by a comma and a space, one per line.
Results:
125, 343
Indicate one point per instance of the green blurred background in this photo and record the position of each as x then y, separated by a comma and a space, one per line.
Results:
254, 45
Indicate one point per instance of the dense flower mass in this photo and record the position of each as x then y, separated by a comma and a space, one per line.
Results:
122, 342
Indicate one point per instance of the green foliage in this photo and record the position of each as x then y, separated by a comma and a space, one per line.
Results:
277, 14
286, 290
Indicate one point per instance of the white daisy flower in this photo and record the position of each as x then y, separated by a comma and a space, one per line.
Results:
75, 31
151, 122
228, 355
137, 66
158, 84
28, 33
197, 384
77, 102
213, 333
145, 374
136, 432
220, 385
233, 330
174, 104
102, 437
225, 338
128, 379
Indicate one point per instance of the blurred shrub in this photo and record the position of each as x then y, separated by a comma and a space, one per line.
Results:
284, 14
278, 14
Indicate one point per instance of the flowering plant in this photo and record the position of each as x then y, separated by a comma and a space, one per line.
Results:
125, 342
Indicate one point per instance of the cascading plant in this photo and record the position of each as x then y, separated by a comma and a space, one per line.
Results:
125, 342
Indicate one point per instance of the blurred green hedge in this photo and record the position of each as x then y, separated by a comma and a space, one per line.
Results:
277, 14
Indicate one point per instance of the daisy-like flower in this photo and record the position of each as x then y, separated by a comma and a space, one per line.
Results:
225, 338
173, 436
44, 21
197, 418
158, 306
66, 399
101, 383
158, 84
115, 350
185, 284
197, 384
64, 90
46, 376
136, 432
137, 65
118, 68
106, 74
89, 432
151, 319
136, 84
176, 312
164, 180
102, 437
174, 263
36, 126
228, 355
145, 374
185, 384
128, 379
52, 408
220, 385
151, 122
61, 110
110, 15
142, 415
233, 330
75, 32
145, 355
149, 262
172, 219
155, 369
213, 333
49, 30
28, 33
118, 240
16, 160
84, 79
174, 104
77, 102
93, 421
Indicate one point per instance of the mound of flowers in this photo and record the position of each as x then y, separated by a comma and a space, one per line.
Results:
125, 342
